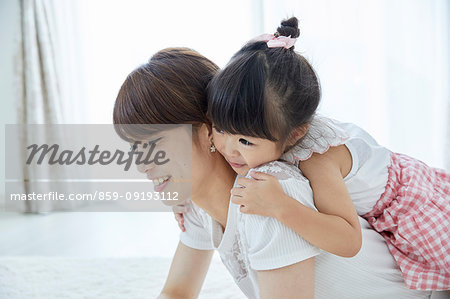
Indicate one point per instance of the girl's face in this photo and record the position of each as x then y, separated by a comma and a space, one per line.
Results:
244, 153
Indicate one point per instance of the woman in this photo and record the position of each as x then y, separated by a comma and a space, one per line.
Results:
266, 259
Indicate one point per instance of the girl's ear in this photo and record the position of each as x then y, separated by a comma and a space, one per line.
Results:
297, 134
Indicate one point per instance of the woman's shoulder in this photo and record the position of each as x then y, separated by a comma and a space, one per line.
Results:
294, 183
271, 244
196, 214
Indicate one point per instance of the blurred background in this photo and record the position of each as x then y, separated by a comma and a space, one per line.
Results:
383, 65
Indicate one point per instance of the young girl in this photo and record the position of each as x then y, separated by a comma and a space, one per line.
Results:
263, 105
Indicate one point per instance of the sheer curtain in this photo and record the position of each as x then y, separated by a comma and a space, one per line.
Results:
51, 63
383, 65
50, 82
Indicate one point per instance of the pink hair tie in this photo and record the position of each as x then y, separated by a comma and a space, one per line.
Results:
275, 42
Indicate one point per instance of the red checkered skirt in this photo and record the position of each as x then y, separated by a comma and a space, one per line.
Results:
413, 216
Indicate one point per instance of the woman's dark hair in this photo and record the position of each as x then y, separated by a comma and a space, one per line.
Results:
265, 92
169, 89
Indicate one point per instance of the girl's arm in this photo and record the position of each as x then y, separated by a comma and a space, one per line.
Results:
187, 273
325, 173
335, 228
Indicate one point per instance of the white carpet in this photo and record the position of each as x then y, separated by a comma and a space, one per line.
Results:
63, 277
110, 278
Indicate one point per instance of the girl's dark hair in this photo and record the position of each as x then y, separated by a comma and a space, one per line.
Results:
265, 92
169, 89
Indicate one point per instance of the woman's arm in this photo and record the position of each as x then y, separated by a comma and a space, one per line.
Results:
294, 281
187, 273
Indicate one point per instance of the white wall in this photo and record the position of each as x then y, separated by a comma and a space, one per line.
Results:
118, 39
9, 41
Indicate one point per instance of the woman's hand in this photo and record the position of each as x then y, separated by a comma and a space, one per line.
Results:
261, 196
178, 211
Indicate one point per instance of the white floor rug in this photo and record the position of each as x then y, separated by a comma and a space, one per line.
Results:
64, 277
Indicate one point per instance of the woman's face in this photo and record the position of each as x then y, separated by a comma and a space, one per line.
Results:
174, 177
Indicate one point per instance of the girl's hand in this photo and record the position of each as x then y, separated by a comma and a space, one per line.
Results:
260, 196
178, 211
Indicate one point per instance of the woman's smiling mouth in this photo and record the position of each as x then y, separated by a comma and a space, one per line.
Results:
161, 182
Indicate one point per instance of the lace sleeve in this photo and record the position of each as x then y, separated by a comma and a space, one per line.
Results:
322, 134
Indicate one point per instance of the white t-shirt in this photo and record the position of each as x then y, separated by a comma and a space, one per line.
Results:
251, 243
368, 176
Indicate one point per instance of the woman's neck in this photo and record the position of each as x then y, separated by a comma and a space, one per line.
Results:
214, 196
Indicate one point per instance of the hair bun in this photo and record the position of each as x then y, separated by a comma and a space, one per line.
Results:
289, 27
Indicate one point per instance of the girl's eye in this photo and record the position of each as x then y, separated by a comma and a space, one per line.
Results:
218, 131
245, 142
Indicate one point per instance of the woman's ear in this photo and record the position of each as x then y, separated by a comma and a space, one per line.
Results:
297, 134
209, 130
204, 133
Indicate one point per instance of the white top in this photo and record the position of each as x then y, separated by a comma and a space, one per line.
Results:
368, 176
251, 243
